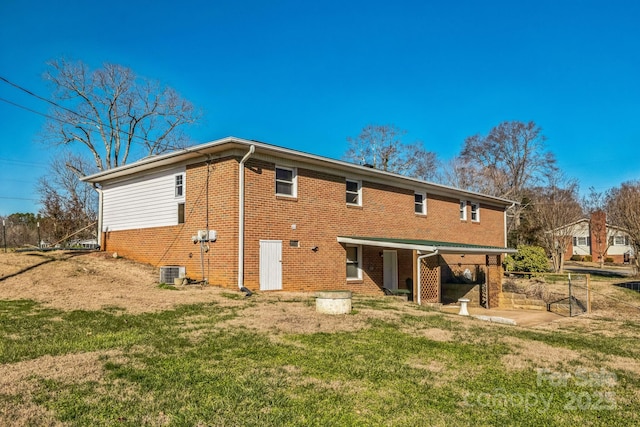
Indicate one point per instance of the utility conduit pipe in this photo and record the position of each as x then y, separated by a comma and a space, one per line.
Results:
252, 150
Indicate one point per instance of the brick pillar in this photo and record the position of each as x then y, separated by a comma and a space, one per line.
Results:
494, 280
598, 234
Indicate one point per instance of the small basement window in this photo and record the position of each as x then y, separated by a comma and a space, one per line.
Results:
294, 243
180, 213
354, 263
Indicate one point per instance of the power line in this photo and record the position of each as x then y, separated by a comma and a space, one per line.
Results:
18, 198
55, 104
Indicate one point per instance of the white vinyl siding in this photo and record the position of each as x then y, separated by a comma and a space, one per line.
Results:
142, 202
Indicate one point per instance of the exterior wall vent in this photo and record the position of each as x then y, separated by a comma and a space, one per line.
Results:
170, 272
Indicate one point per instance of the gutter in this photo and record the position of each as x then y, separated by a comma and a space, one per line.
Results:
99, 234
252, 149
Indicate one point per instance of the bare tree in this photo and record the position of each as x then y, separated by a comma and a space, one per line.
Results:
508, 161
67, 203
554, 211
381, 147
623, 208
113, 114
103, 118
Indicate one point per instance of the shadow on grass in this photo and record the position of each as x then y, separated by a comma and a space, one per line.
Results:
634, 286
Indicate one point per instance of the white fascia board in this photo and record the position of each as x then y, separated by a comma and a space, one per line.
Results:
204, 151
352, 241
426, 248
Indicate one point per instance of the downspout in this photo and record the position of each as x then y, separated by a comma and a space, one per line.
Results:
420, 258
252, 150
99, 234
505, 223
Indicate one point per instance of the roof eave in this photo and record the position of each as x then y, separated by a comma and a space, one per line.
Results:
206, 150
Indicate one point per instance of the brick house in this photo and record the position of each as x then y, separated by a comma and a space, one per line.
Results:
594, 237
245, 213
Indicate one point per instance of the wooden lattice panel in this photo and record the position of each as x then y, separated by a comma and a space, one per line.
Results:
429, 280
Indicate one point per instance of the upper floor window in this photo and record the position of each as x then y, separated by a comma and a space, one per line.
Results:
354, 192
420, 206
285, 181
475, 211
179, 185
463, 210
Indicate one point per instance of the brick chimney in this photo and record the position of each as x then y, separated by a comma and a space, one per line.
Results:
598, 234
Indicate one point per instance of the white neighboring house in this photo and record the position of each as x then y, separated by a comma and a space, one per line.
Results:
589, 238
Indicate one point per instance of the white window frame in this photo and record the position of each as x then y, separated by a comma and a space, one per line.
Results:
359, 183
463, 210
293, 182
423, 204
359, 261
475, 211
179, 186
623, 238
578, 240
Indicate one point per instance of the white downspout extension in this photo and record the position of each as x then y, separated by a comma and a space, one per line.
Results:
505, 223
252, 150
99, 236
420, 258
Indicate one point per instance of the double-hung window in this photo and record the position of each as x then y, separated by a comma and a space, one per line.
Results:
286, 181
420, 203
620, 240
463, 210
475, 212
581, 241
179, 185
354, 262
354, 192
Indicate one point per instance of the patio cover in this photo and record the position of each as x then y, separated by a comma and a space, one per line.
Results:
426, 246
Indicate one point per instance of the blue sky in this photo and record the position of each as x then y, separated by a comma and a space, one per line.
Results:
306, 75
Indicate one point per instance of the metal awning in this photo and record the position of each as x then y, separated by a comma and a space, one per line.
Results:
426, 246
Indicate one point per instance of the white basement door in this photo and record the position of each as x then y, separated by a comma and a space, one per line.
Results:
390, 269
270, 265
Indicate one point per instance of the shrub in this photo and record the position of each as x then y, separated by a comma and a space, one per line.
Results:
609, 260
528, 258
576, 258
588, 258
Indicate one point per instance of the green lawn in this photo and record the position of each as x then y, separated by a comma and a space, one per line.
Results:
191, 366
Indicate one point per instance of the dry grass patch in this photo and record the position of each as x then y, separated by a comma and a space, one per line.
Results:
527, 354
20, 380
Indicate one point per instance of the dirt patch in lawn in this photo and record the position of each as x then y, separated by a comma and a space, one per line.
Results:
96, 280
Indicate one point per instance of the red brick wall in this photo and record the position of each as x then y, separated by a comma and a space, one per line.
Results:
319, 213
173, 245
598, 234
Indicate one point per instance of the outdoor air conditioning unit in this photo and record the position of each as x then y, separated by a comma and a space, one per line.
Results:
170, 272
